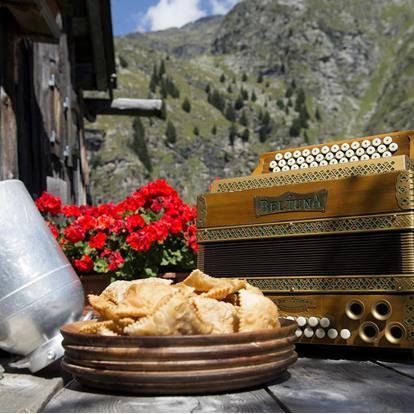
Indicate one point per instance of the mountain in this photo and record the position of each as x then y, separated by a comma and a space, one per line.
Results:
269, 74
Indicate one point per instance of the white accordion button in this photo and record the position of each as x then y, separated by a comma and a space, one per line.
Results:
291, 318
308, 332
343, 160
304, 165
333, 161
276, 169
282, 163
339, 155
381, 148
325, 149
393, 147
349, 153
355, 145
325, 322
320, 333
291, 161
278, 156
310, 158
319, 157
354, 158
301, 320
387, 140
273, 164
360, 151
332, 333
323, 163
315, 151
329, 156
335, 148
370, 150
306, 152
313, 164
345, 333
287, 155
286, 168
345, 147
376, 142
386, 154
366, 143
297, 154
364, 157
294, 167
313, 321
375, 155
300, 160
298, 333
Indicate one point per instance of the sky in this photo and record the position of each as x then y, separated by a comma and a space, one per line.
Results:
149, 15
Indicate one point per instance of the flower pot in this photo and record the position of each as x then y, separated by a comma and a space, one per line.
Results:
94, 284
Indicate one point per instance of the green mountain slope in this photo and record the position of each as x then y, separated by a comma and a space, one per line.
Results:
270, 74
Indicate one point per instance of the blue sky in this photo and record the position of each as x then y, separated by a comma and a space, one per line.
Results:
148, 15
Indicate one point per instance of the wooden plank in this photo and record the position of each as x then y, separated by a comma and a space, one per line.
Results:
26, 393
124, 106
75, 398
405, 368
316, 385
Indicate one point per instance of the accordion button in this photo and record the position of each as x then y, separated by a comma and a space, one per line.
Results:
306, 152
376, 142
287, 155
329, 156
382, 148
301, 320
332, 333
339, 155
333, 161
286, 168
313, 321
320, 333
294, 167
354, 158
319, 157
291, 318
364, 157
386, 154
345, 146
360, 151
375, 156
297, 154
366, 143
325, 149
300, 160
276, 169
345, 333
273, 164
304, 165
370, 150
278, 156
282, 163
315, 151
323, 163
325, 322
355, 145
393, 147
291, 161
343, 160
313, 164
349, 153
308, 332
335, 148
387, 140
310, 158
298, 333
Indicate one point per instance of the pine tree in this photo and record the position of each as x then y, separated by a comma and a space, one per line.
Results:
161, 70
289, 92
253, 97
232, 134
214, 129
243, 119
163, 114
223, 78
266, 118
171, 133
244, 77
280, 104
123, 62
267, 84
245, 135
318, 115
229, 89
239, 103
163, 89
294, 130
244, 94
217, 100
230, 113
186, 105
207, 88
139, 145
196, 131
263, 134
260, 78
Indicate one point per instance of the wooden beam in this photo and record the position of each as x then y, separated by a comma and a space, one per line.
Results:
124, 106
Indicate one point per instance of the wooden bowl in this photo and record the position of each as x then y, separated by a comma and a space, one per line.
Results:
167, 365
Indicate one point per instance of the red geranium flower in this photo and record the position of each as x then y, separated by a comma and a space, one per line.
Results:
85, 264
115, 260
48, 203
53, 229
74, 233
98, 241
133, 221
71, 211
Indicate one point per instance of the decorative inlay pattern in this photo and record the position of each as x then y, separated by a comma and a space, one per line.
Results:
327, 173
307, 227
335, 284
404, 190
201, 211
409, 318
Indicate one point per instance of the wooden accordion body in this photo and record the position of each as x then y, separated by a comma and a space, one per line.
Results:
332, 245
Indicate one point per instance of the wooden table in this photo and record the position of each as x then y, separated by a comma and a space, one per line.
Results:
312, 384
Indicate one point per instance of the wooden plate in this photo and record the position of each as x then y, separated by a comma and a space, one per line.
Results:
167, 365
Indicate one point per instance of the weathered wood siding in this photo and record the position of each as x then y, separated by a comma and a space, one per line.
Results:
41, 122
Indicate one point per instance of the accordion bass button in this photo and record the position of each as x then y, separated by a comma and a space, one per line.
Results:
345, 146
332, 334
366, 143
273, 164
320, 333
345, 333
325, 149
335, 148
387, 140
287, 155
376, 142
297, 154
294, 167
355, 145
315, 151
298, 333
360, 151
329, 156
278, 156
308, 332
306, 152
325, 322
386, 154
381, 148
301, 320
313, 321
393, 147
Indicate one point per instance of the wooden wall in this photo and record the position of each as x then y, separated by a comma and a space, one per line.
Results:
41, 121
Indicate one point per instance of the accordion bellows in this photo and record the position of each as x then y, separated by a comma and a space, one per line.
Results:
332, 242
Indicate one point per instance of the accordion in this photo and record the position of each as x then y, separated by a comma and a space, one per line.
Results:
326, 231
